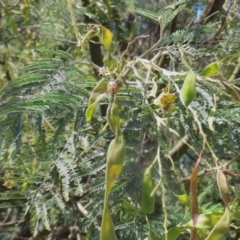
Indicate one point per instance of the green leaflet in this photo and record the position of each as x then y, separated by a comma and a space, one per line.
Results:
183, 199
174, 232
221, 227
106, 38
147, 201
213, 68
188, 90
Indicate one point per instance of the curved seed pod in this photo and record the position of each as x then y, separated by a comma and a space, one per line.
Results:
101, 87
147, 201
92, 107
188, 90
97, 94
221, 227
113, 119
223, 186
115, 158
107, 227
232, 91
205, 221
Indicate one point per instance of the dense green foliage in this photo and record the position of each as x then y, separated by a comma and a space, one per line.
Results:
143, 92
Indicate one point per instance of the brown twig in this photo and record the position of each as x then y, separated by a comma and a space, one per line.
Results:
213, 170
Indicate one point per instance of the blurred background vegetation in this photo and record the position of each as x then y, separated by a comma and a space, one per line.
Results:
52, 161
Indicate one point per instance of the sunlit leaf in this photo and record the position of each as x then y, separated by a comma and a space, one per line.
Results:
174, 232
183, 199
106, 38
211, 70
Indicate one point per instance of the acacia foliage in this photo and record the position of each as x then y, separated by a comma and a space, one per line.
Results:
53, 159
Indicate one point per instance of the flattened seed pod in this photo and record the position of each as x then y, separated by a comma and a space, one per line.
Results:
107, 227
223, 187
115, 158
221, 227
113, 119
147, 201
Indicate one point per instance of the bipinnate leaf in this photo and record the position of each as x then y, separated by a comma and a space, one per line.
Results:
223, 186
106, 38
221, 226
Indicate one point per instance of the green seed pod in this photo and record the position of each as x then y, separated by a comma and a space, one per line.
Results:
113, 119
107, 227
188, 90
223, 186
147, 201
221, 227
115, 158
204, 221
101, 87
97, 94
